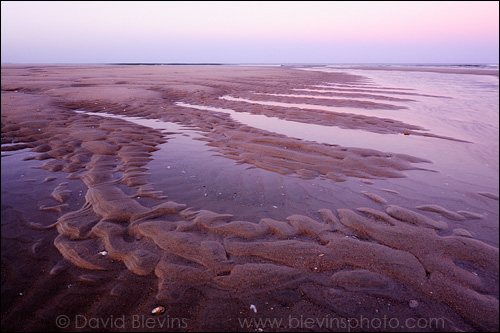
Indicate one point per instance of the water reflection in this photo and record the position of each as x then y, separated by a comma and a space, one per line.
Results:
164, 126
332, 135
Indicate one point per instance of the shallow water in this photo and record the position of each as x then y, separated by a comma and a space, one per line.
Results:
164, 126
354, 98
470, 112
390, 114
323, 134
463, 168
454, 105
468, 164
186, 169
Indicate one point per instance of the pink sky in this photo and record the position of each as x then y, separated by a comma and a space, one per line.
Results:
251, 32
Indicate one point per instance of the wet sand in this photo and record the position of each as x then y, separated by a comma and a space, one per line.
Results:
224, 223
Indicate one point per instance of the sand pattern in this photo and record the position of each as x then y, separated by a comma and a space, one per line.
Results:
186, 248
341, 253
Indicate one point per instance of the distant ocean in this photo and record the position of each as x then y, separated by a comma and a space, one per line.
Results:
422, 65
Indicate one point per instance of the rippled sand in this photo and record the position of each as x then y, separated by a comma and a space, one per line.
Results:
207, 215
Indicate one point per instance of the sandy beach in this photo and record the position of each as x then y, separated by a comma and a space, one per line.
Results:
242, 198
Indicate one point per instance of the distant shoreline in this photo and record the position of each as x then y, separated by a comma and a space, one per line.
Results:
473, 69
311, 64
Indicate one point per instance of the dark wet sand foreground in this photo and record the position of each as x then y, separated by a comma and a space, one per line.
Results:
224, 224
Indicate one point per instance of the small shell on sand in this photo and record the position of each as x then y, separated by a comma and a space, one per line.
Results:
158, 310
413, 303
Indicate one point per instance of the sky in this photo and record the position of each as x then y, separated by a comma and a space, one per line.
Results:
250, 32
